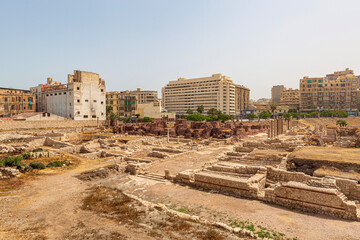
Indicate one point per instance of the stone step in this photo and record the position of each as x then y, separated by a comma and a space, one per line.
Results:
154, 177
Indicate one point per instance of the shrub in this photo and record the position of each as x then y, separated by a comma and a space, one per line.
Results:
37, 150
147, 119
24, 168
195, 117
224, 117
341, 122
57, 164
26, 155
265, 115
12, 161
37, 165
252, 116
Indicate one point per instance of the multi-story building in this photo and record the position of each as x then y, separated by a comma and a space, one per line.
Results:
276, 93
337, 91
217, 92
290, 97
123, 103
144, 96
242, 99
42, 88
82, 98
258, 109
15, 101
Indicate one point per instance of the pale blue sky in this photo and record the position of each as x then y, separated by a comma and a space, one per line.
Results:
148, 43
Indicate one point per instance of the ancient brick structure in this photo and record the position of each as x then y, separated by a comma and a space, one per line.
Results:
196, 130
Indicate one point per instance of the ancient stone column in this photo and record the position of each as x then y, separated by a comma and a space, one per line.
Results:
271, 129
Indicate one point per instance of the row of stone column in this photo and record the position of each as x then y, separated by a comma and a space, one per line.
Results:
276, 127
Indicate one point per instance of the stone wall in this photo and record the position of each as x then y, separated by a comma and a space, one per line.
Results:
9, 125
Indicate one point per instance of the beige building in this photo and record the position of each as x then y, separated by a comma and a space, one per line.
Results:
144, 96
123, 103
242, 99
82, 98
337, 91
290, 97
153, 110
15, 101
217, 92
276, 93
258, 109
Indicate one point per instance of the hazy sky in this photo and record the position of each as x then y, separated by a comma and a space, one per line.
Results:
148, 43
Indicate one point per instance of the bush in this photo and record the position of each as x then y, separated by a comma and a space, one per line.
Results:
37, 165
224, 117
24, 168
57, 164
252, 116
26, 155
341, 122
37, 150
147, 119
12, 161
195, 117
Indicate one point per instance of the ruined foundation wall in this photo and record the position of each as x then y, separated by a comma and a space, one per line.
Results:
319, 200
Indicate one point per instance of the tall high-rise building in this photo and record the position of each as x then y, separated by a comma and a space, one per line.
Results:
337, 91
276, 93
217, 92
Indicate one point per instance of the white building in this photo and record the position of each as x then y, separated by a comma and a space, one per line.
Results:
82, 98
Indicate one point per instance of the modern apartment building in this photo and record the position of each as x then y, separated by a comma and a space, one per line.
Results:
123, 103
217, 92
82, 98
15, 101
276, 93
290, 97
337, 91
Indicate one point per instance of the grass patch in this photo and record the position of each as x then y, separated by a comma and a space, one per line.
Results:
210, 234
111, 202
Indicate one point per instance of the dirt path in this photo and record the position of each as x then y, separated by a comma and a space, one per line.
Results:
50, 208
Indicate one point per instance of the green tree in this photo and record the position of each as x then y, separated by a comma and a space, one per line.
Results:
109, 110
224, 117
292, 110
189, 111
213, 112
265, 115
200, 109
195, 117
251, 116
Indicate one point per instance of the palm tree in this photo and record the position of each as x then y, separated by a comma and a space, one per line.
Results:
200, 109
273, 108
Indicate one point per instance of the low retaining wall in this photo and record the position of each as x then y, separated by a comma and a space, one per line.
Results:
10, 125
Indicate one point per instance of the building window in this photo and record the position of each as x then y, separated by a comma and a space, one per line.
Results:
77, 88
102, 90
78, 112
78, 100
102, 102
94, 100
85, 116
59, 93
64, 93
55, 94
102, 114
93, 116
86, 100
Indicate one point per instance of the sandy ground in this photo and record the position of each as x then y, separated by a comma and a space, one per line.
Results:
49, 207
